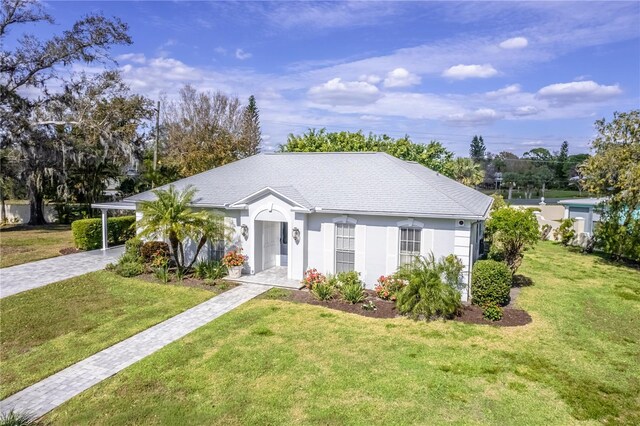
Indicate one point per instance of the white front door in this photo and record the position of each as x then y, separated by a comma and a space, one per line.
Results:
270, 244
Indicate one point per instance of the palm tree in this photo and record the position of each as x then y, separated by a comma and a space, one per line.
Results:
170, 215
467, 172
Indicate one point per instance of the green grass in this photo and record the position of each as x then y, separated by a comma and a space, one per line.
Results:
22, 244
275, 362
47, 329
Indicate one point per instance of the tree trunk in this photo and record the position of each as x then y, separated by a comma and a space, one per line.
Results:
510, 191
3, 208
36, 207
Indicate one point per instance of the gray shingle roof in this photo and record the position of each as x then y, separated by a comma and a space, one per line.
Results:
367, 182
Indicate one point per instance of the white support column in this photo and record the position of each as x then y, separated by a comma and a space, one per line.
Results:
105, 242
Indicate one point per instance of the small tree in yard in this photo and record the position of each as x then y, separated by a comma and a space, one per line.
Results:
171, 215
512, 232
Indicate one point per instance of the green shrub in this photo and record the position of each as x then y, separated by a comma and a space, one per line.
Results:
162, 273
492, 312
490, 283
351, 277
431, 288
512, 231
565, 232
13, 418
87, 233
209, 270
352, 291
129, 269
323, 291
154, 249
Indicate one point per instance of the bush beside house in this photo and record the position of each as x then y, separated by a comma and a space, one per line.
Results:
87, 233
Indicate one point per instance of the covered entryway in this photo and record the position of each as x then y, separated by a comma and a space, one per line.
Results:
275, 245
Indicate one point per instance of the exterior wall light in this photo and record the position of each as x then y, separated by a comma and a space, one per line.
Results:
295, 232
244, 230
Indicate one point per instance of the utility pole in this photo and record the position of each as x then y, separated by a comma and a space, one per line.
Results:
155, 147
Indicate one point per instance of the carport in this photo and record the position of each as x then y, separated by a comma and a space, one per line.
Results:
104, 208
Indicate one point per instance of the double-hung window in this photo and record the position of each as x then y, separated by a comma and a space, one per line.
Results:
345, 247
217, 243
409, 245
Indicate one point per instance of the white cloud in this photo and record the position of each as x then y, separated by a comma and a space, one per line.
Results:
460, 72
220, 50
242, 55
524, 111
137, 58
578, 92
505, 91
400, 77
472, 118
514, 43
338, 92
370, 78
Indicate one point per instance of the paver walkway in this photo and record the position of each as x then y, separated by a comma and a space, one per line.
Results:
46, 395
19, 278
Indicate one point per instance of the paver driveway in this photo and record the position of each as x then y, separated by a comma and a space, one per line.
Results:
19, 278
47, 394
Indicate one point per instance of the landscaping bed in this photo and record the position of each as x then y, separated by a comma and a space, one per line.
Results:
384, 308
472, 314
217, 286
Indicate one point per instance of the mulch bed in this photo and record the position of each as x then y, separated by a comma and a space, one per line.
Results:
191, 282
384, 308
471, 314
69, 250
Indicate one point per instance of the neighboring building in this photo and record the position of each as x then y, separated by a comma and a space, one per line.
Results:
585, 208
368, 212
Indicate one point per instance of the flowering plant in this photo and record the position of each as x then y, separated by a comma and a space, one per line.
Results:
234, 258
389, 286
313, 277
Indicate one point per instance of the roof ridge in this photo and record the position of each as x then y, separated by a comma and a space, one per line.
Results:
403, 163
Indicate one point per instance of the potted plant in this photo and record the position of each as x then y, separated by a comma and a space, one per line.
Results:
234, 260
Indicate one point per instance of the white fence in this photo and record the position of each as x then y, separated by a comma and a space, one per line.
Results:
20, 213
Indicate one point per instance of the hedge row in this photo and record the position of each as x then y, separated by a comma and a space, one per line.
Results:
87, 233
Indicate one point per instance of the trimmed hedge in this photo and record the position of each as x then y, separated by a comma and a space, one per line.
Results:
490, 283
87, 233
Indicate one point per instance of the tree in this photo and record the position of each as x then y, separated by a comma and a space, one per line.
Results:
31, 65
561, 164
206, 130
433, 155
477, 150
170, 215
105, 137
467, 172
251, 136
512, 231
614, 172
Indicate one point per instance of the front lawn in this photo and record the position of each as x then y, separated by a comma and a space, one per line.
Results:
49, 328
22, 244
277, 362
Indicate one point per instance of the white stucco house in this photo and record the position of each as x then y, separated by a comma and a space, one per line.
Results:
368, 212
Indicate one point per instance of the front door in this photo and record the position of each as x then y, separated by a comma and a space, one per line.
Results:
270, 244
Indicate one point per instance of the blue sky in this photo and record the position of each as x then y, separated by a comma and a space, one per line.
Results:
521, 74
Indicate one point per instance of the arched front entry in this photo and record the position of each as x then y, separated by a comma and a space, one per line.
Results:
271, 245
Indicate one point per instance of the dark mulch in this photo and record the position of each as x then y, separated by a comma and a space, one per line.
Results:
215, 286
69, 250
472, 314
384, 308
